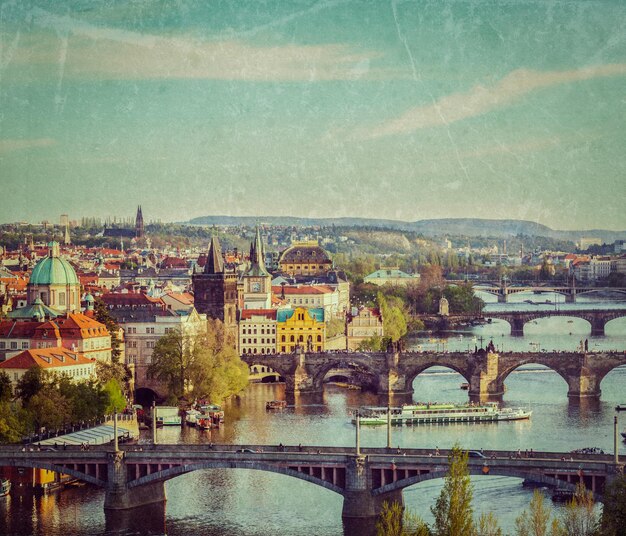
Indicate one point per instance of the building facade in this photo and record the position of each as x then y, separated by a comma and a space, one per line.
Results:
257, 331
300, 328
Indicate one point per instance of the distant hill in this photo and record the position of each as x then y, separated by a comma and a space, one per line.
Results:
445, 226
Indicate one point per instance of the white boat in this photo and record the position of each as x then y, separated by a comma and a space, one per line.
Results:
191, 417
436, 413
167, 416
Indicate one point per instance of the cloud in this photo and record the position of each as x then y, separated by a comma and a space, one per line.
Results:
111, 53
482, 99
9, 146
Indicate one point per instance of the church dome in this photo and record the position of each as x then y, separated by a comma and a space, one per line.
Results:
53, 270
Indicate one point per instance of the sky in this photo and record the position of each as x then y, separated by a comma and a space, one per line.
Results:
397, 109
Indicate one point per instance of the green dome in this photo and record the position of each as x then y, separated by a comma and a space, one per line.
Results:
53, 270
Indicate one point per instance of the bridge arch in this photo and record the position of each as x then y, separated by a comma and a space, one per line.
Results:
357, 363
414, 372
62, 470
178, 470
265, 373
506, 370
399, 485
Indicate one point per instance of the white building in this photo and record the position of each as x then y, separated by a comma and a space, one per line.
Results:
257, 331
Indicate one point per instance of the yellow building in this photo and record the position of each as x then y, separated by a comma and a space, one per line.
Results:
299, 327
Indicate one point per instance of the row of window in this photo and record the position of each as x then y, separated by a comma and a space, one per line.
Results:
254, 351
13, 345
250, 331
285, 349
253, 341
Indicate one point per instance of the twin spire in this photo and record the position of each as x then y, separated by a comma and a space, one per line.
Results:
215, 262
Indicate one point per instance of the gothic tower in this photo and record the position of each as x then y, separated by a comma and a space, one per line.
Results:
215, 290
139, 232
257, 282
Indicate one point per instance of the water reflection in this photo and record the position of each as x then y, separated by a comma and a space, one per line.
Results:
143, 520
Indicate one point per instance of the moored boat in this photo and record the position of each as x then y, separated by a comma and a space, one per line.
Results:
276, 404
191, 417
436, 413
5, 487
167, 416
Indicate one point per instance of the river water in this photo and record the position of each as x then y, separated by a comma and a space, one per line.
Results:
245, 502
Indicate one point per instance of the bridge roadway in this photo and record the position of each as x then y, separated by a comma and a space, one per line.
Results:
135, 475
392, 373
570, 292
597, 318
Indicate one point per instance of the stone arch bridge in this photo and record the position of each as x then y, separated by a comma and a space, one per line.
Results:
486, 373
597, 318
135, 477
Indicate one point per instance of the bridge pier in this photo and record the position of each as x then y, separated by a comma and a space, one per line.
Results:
517, 327
119, 496
570, 298
597, 327
584, 386
358, 500
503, 297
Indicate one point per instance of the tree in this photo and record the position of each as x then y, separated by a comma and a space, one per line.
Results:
203, 365
453, 509
395, 521
49, 409
217, 372
87, 399
394, 316
580, 517
115, 400
372, 344
117, 371
6, 389
13, 423
31, 383
171, 361
335, 326
614, 511
488, 526
535, 522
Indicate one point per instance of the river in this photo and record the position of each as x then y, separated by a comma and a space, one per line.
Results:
245, 502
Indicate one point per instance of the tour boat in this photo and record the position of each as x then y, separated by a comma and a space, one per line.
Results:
436, 413
276, 404
167, 416
624, 435
191, 417
5, 487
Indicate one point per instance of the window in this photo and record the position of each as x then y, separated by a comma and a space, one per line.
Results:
61, 298
150, 330
24, 345
149, 344
2, 344
13, 345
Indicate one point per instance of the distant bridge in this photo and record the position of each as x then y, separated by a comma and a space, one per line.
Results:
135, 476
392, 373
597, 318
570, 292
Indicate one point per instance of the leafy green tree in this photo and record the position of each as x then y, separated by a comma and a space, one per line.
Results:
117, 371
488, 526
217, 371
87, 399
171, 362
14, 422
372, 344
205, 365
614, 510
453, 509
580, 517
31, 383
115, 400
6, 389
394, 317
394, 520
536, 520
336, 326
49, 409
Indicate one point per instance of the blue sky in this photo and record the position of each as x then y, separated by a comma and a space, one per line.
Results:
401, 110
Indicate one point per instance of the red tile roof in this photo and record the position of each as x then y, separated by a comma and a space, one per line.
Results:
45, 358
267, 313
304, 289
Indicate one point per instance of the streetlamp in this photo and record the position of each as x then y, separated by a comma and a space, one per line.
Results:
358, 433
618, 409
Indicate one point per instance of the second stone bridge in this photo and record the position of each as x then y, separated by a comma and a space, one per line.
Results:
393, 373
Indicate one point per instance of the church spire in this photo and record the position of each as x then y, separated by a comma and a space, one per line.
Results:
66, 239
139, 231
257, 261
214, 262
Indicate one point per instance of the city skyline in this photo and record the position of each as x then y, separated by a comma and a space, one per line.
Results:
403, 111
